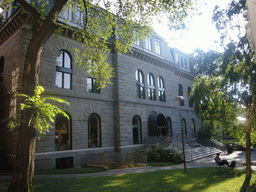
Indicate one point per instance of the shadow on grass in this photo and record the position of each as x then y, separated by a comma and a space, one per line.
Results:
73, 170
196, 180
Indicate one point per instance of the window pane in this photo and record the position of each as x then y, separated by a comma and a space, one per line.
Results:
94, 131
149, 94
67, 61
67, 80
161, 83
153, 94
180, 90
142, 92
148, 43
136, 128
58, 80
62, 133
94, 86
182, 62
138, 91
89, 85
151, 80
186, 63
137, 75
157, 47
59, 59
140, 77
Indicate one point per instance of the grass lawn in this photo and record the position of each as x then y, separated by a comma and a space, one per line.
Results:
74, 170
195, 180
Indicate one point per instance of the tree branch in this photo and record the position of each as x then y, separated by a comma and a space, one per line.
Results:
29, 9
49, 24
86, 18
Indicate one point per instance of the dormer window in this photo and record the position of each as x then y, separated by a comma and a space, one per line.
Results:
137, 42
157, 47
186, 63
178, 58
148, 43
182, 62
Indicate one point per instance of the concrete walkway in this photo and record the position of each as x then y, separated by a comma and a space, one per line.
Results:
238, 156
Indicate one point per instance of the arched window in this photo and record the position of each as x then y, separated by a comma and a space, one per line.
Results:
193, 128
161, 91
136, 130
156, 125
180, 93
151, 87
140, 84
63, 70
62, 132
190, 100
94, 131
184, 127
169, 126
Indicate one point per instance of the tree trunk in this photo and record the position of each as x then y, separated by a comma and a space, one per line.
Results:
248, 148
23, 175
248, 153
22, 179
250, 115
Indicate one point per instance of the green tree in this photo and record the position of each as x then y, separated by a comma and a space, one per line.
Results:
102, 21
237, 69
206, 63
213, 102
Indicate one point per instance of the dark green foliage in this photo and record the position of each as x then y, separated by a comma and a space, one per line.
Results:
206, 63
163, 155
205, 132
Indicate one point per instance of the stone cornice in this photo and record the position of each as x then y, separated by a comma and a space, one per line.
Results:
159, 62
12, 25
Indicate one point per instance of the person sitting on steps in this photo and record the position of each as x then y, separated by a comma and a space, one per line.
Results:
224, 162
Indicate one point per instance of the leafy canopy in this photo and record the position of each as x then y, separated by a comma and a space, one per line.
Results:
107, 26
225, 86
213, 102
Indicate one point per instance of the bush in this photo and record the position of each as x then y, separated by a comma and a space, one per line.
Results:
162, 155
205, 132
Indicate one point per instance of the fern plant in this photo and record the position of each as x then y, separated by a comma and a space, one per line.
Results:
43, 113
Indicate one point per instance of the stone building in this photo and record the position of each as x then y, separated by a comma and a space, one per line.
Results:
251, 25
137, 109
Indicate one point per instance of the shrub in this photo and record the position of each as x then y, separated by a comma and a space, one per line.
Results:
163, 155
205, 132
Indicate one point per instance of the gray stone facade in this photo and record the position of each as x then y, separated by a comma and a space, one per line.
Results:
116, 105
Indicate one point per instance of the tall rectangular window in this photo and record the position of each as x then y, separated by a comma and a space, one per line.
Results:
92, 85
151, 87
140, 84
63, 76
161, 90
